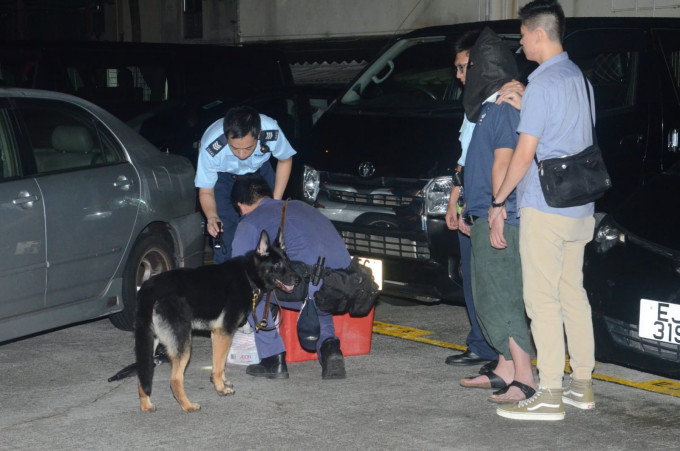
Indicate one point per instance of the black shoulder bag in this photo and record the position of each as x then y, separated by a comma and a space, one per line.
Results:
575, 179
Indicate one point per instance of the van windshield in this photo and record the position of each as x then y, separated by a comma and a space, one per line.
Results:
414, 74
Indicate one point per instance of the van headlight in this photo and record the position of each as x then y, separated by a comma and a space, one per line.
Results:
310, 184
607, 235
436, 194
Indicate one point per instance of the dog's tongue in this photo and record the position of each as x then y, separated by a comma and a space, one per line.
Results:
288, 288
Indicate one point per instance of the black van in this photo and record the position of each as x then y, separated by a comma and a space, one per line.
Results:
379, 160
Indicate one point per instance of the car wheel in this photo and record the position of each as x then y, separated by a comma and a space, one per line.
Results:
152, 255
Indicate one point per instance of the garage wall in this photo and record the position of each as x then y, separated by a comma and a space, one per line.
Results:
234, 21
304, 19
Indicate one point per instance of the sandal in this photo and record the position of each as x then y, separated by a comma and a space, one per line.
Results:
525, 389
495, 381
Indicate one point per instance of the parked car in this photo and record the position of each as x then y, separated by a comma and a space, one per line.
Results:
89, 209
379, 160
632, 276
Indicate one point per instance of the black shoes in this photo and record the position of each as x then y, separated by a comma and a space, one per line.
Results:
465, 359
273, 367
332, 361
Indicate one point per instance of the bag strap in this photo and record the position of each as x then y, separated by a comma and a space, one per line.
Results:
264, 322
590, 110
282, 225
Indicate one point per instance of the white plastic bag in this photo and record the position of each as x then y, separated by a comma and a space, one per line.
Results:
243, 350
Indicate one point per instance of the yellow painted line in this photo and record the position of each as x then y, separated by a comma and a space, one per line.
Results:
409, 333
661, 386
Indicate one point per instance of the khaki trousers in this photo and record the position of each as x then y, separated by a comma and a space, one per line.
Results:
551, 248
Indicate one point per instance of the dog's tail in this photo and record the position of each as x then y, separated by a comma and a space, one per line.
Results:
144, 339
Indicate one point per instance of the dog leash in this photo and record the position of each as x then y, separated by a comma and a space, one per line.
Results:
264, 322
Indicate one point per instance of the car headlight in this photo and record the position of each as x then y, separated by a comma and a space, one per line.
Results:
310, 184
607, 235
436, 194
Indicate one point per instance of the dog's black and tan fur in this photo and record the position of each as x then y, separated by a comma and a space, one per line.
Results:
216, 298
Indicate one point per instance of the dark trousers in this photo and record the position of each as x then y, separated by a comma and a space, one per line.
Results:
227, 213
269, 342
475, 339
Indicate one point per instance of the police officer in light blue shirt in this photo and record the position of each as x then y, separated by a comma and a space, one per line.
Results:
241, 143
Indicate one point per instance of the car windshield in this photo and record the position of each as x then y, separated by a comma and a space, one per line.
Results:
414, 74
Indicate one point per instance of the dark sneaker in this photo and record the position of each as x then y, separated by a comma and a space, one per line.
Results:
273, 367
332, 361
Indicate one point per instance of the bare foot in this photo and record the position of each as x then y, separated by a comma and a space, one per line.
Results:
489, 380
514, 392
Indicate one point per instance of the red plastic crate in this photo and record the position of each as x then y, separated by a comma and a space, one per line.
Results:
354, 334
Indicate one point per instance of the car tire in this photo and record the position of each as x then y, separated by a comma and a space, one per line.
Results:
151, 255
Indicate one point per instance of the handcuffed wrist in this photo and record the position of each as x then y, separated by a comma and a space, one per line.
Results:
495, 204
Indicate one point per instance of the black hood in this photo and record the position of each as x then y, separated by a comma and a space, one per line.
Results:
491, 65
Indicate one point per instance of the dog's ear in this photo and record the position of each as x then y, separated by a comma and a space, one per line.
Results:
280, 241
263, 245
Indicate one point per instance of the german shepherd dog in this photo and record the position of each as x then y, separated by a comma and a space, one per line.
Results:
217, 298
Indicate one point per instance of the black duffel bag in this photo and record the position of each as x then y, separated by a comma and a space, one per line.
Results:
352, 290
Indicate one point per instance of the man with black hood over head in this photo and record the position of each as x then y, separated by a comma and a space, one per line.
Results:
496, 273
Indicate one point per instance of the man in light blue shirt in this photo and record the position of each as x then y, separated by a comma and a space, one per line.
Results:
241, 143
554, 121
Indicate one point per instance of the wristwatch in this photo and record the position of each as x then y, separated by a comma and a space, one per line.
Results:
458, 178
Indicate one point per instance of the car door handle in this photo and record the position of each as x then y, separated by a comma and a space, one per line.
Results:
123, 183
632, 139
25, 199
673, 138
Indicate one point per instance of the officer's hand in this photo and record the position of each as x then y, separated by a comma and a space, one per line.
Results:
511, 93
213, 227
452, 218
463, 227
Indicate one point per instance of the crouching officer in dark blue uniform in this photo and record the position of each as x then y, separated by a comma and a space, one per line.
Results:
241, 143
308, 235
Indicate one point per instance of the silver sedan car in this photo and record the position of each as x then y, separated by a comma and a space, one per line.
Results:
88, 211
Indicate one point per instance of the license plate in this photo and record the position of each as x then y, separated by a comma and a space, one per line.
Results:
376, 267
659, 321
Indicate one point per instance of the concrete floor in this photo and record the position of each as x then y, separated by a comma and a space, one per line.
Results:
54, 394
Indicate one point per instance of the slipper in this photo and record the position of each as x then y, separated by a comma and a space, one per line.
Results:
488, 367
528, 393
495, 381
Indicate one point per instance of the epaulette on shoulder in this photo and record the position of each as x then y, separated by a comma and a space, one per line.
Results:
269, 135
214, 147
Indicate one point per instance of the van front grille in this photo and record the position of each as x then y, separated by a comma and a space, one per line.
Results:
380, 200
376, 245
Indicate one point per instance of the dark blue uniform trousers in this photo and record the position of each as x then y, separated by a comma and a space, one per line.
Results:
269, 342
227, 213
475, 339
